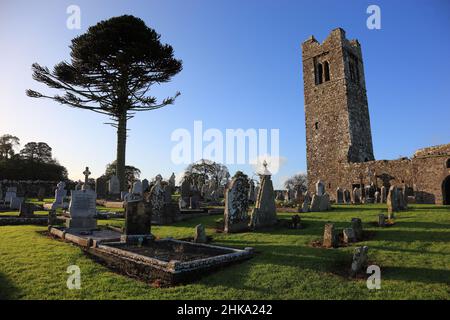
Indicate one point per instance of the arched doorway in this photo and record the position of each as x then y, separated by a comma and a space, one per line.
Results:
446, 190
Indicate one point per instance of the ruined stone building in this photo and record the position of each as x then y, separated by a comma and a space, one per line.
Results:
338, 135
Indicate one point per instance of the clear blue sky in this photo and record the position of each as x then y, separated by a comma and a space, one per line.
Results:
242, 69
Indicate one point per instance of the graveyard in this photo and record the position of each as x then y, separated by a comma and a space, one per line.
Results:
153, 211
413, 254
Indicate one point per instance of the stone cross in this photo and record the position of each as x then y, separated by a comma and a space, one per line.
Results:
86, 178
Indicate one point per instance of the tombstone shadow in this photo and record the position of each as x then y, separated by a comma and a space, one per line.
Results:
409, 274
8, 290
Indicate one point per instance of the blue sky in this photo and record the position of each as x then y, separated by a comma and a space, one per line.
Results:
242, 69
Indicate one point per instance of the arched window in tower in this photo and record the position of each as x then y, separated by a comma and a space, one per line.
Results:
316, 125
319, 72
326, 70
448, 163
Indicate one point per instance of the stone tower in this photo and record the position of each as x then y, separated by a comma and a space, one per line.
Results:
336, 111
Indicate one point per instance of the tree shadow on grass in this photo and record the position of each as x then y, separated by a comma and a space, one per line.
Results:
422, 225
7, 290
412, 236
424, 275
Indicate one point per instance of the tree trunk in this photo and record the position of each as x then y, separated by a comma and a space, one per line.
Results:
121, 147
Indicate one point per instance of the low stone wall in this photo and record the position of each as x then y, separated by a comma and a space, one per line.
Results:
17, 221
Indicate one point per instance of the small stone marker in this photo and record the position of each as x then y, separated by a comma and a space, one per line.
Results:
356, 196
392, 202
349, 235
357, 228
381, 220
330, 238
339, 196
347, 197
200, 234
359, 261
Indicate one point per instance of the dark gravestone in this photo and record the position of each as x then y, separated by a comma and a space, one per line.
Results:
26, 210
295, 220
41, 193
100, 187
137, 221
357, 228
330, 237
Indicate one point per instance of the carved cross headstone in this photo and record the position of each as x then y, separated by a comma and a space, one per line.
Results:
86, 178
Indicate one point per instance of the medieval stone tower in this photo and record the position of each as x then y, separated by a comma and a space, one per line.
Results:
336, 111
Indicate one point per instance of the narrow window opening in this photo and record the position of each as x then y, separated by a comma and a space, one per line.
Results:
316, 125
326, 67
319, 72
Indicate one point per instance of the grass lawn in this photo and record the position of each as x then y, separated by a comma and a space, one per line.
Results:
414, 256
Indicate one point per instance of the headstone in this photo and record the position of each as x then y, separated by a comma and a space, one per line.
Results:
60, 194
295, 220
359, 262
377, 197
392, 202
347, 197
264, 213
145, 185
236, 217
9, 195
78, 186
357, 228
356, 196
349, 235
330, 238
195, 200
15, 203
251, 191
172, 181
320, 188
186, 191
26, 210
306, 203
52, 218
137, 188
383, 194
100, 187
381, 220
200, 234
86, 174
114, 186
339, 196
138, 218
82, 209
315, 203
160, 203
325, 203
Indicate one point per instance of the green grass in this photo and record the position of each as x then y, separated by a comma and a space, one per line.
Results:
414, 256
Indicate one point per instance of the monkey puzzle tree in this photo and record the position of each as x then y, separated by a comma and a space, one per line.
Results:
112, 67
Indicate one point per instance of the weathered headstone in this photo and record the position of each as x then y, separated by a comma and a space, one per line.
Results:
359, 262
339, 196
82, 209
264, 213
172, 181
356, 196
325, 203
357, 228
330, 237
315, 203
381, 220
114, 186
185, 192
138, 218
86, 174
236, 217
377, 197
347, 197
60, 194
320, 188
348, 235
100, 187
392, 202
200, 234
15, 203
10, 193
160, 201
383, 194
137, 188
26, 210
145, 185
295, 220
306, 203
